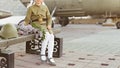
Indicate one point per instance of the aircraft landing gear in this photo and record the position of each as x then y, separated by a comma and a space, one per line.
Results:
118, 25
63, 21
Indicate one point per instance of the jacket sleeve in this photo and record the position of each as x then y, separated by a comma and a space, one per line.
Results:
28, 16
49, 18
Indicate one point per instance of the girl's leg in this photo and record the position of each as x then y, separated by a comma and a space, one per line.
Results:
50, 50
50, 46
44, 46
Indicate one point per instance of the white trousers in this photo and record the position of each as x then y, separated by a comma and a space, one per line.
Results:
49, 40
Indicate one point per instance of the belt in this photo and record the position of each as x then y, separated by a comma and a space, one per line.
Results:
44, 19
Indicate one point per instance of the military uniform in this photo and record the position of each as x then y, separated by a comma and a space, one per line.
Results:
39, 17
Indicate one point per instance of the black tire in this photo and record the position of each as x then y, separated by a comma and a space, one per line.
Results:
63, 21
52, 24
118, 25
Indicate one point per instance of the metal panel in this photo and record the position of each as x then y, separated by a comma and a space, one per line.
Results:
101, 6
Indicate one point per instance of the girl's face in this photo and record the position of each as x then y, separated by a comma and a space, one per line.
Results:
38, 2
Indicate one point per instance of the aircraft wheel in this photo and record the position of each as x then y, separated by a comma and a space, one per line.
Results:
118, 25
63, 21
52, 24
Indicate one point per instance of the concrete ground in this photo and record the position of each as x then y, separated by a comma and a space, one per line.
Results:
84, 46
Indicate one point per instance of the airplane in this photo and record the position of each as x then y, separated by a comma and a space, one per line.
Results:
63, 9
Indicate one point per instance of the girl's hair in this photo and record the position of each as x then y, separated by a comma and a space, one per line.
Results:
32, 2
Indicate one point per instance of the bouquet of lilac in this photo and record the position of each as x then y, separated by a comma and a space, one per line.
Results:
28, 29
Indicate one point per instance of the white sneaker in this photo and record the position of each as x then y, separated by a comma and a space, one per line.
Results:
43, 58
51, 61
